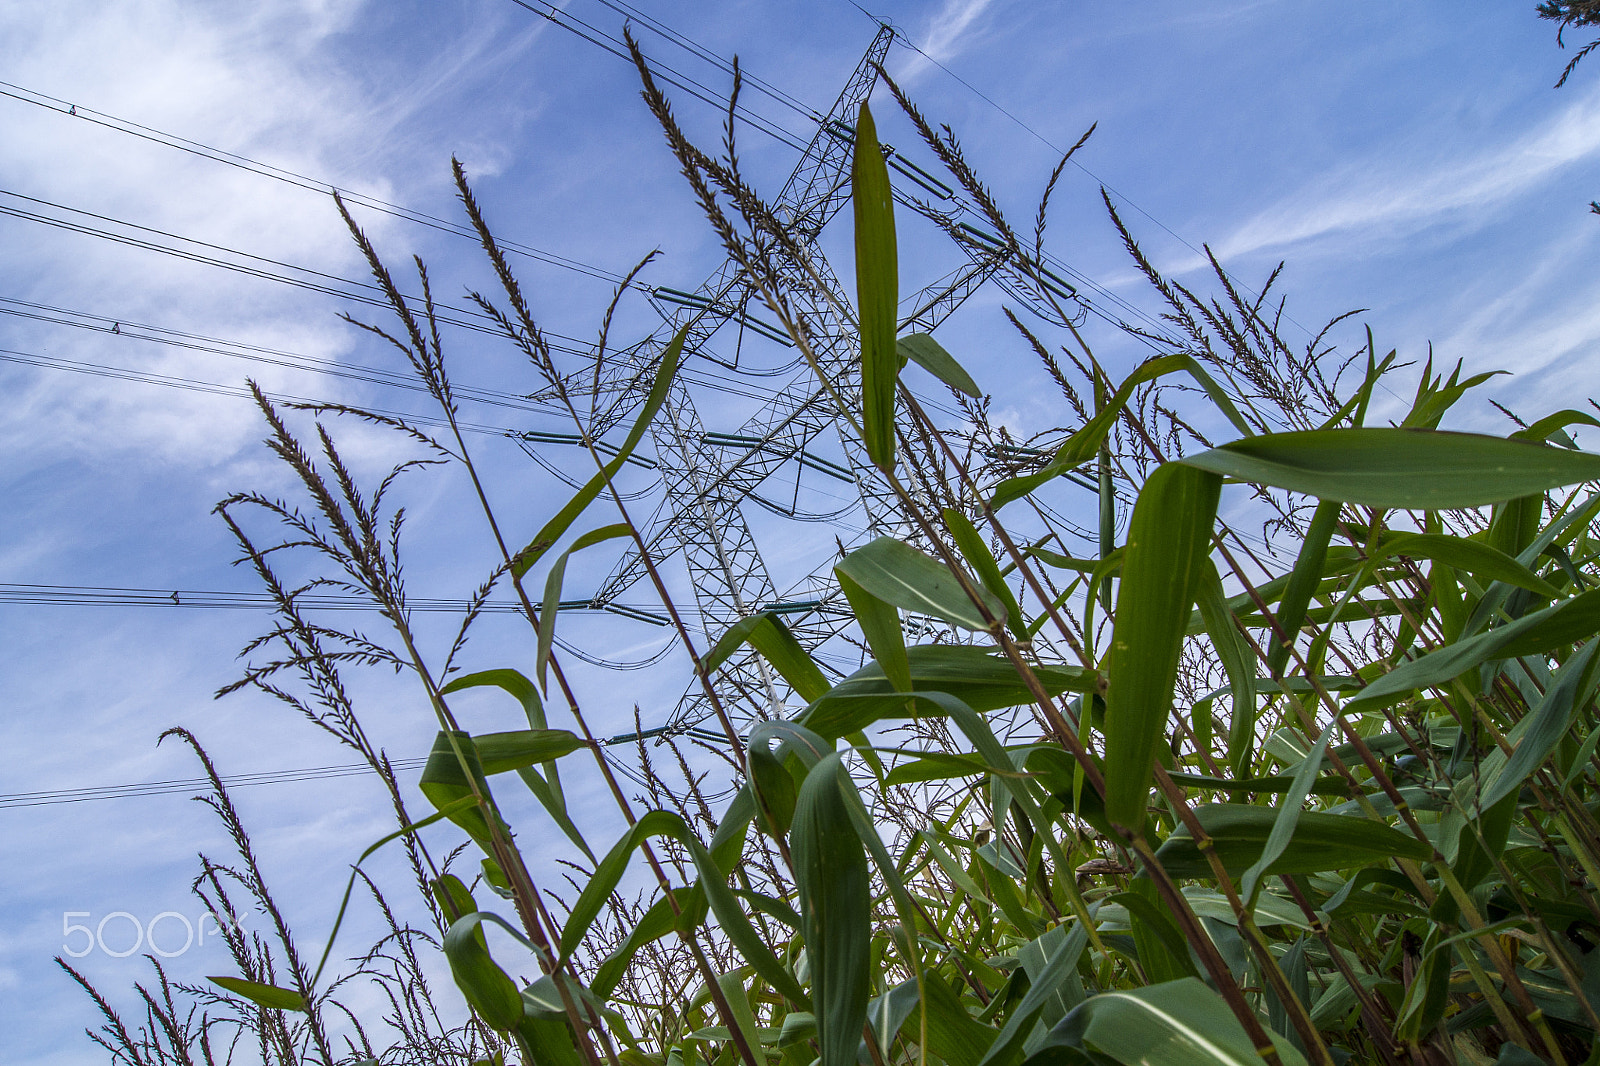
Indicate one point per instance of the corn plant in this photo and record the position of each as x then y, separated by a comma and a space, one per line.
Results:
1201, 796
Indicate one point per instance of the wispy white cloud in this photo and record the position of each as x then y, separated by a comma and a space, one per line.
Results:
944, 38
1372, 200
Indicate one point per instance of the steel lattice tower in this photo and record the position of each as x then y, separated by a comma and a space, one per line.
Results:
708, 476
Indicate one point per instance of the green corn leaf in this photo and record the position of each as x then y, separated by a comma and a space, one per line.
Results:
880, 625
1563, 623
1237, 660
510, 681
983, 681
553, 530
1550, 427
1475, 557
452, 896
270, 996
1288, 817
767, 634
1421, 469
1162, 951
659, 921
551, 1037
1537, 734
546, 787
976, 553
1297, 971
712, 881
830, 869
1555, 534
936, 766
1303, 582
1428, 993
888, 1012
774, 790
1166, 556
1085, 444
877, 290
445, 781
552, 591
931, 356
484, 984
901, 575
953, 1034
733, 990
1320, 842
1179, 1023
500, 753
1059, 966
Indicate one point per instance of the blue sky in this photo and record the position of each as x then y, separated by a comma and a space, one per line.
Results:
1412, 160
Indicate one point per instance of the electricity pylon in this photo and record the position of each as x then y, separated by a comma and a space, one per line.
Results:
708, 476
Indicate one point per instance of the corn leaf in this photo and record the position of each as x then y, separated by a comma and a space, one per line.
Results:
901, 575
1422, 469
877, 290
270, 996
1166, 556
1320, 842
929, 354
552, 531
766, 633
830, 869
1179, 1023
552, 591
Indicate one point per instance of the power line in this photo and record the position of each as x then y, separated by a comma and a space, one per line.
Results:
267, 170
203, 599
167, 787
173, 381
618, 47
698, 50
267, 777
197, 342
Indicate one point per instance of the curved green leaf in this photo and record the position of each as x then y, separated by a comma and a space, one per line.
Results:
1422, 469
552, 590
1179, 1023
484, 984
712, 880
984, 681
270, 996
1320, 842
901, 575
766, 633
929, 354
552, 531
1532, 634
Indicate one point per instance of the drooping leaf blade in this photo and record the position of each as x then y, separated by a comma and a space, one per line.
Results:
1320, 842
929, 354
1179, 1023
901, 575
270, 996
766, 633
1422, 469
552, 590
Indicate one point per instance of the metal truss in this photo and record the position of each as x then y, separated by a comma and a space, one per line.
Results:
708, 476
